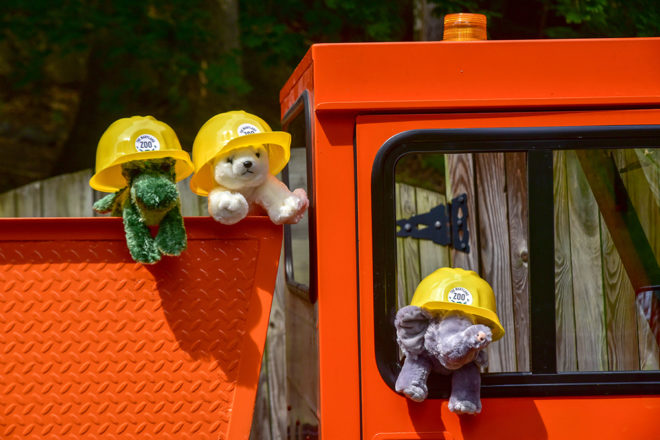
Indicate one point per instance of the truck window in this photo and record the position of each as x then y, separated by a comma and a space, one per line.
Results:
580, 294
298, 258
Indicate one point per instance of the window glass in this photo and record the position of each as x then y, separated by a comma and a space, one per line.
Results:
606, 241
300, 231
297, 243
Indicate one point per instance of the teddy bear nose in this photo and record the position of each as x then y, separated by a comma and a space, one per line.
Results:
247, 164
481, 336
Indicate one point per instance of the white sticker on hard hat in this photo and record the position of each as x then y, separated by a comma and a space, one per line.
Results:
244, 129
460, 295
147, 142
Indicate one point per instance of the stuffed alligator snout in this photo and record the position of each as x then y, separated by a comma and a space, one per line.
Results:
150, 198
152, 188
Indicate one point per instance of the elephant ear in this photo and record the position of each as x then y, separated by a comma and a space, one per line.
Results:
411, 323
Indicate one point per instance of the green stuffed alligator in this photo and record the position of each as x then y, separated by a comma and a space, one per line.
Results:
151, 198
139, 160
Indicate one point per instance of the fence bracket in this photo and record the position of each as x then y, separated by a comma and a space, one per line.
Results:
444, 225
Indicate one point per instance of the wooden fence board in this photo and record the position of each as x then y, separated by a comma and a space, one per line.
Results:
650, 162
587, 269
566, 349
516, 184
494, 253
8, 204
431, 255
28, 200
68, 195
302, 363
641, 181
620, 309
640, 186
191, 204
401, 295
410, 247
649, 352
276, 366
461, 181
260, 429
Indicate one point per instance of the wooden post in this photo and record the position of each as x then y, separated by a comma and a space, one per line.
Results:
564, 308
516, 184
494, 251
587, 269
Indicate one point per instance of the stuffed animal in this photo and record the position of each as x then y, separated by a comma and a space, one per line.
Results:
140, 160
236, 157
451, 320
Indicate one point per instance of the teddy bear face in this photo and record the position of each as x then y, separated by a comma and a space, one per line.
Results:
241, 168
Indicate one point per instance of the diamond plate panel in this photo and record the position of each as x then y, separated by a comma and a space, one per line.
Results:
93, 345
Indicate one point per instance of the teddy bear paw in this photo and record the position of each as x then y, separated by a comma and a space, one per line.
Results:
292, 208
228, 208
464, 406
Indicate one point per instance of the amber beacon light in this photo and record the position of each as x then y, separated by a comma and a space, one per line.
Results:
465, 27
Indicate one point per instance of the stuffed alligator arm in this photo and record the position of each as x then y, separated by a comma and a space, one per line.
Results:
151, 198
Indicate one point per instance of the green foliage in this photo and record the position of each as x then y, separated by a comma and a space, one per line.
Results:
561, 18
284, 30
154, 51
489, 8
422, 171
185, 60
275, 35
582, 11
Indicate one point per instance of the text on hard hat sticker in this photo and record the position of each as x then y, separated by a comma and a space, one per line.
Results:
244, 129
147, 142
460, 295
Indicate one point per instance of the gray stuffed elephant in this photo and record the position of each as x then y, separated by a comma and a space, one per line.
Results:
447, 342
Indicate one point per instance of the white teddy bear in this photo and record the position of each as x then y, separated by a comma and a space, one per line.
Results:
236, 157
245, 184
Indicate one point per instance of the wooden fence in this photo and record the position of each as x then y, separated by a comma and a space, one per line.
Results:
598, 323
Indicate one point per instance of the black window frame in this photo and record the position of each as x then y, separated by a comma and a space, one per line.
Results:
539, 143
302, 109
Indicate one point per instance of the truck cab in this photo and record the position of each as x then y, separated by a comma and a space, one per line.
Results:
533, 163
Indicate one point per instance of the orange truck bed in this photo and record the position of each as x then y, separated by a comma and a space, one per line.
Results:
95, 345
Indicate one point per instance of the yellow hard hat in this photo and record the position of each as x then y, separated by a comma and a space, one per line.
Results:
136, 138
458, 289
231, 130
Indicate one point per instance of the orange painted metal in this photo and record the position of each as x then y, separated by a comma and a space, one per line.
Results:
361, 94
454, 75
95, 345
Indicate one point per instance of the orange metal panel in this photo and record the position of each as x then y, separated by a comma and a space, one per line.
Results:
338, 318
301, 79
386, 412
95, 345
486, 74
442, 75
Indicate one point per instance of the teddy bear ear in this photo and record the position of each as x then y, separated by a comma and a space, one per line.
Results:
411, 323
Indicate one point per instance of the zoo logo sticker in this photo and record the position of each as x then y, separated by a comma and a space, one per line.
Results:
246, 128
460, 295
147, 142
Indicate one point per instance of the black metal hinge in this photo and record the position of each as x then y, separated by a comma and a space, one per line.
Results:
444, 225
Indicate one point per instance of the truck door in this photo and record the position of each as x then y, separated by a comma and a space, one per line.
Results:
558, 211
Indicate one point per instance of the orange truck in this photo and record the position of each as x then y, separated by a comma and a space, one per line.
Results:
534, 163
545, 165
